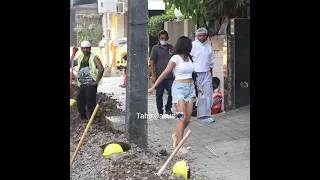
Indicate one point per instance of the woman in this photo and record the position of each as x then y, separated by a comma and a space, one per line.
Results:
183, 90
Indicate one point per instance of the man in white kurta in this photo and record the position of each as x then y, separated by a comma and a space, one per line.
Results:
202, 54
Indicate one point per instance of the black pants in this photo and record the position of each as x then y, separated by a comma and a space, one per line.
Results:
86, 97
194, 111
166, 84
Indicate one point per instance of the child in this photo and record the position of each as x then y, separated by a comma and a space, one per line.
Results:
217, 99
217, 96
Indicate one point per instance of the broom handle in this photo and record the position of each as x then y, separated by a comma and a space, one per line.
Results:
174, 153
85, 133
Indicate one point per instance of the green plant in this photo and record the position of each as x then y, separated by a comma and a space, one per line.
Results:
156, 23
196, 9
88, 28
200, 9
170, 11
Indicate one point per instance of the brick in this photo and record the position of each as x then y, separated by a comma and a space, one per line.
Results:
237, 157
226, 122
237, 165
234, 134
195, 155
231, 175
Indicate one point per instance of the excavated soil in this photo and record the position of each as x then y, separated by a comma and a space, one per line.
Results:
73, 92
90, 164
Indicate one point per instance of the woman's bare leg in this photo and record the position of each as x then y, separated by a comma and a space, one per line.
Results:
188, 113
181, 107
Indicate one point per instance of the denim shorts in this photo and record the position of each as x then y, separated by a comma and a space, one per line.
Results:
184, 91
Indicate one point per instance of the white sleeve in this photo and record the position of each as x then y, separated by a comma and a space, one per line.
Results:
211, 56
211, 59
175, 59
193, 49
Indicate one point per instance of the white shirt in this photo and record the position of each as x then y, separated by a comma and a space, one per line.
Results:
202, 56
183, 69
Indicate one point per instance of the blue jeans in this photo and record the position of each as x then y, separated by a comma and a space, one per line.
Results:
166, 84
184, 91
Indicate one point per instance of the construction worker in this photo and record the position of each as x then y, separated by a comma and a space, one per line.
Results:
90, 71
124, 57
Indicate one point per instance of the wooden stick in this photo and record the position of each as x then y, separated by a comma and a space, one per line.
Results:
84, 134
174, 153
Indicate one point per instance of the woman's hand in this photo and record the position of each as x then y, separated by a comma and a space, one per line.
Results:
150, 91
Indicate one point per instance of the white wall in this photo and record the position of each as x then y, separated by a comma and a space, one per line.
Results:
156, 5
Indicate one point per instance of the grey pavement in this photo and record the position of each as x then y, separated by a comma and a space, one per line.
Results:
219, 150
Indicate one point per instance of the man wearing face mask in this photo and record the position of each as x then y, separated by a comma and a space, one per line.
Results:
202, 54
159, 58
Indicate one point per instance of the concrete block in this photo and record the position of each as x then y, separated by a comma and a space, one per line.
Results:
116, 122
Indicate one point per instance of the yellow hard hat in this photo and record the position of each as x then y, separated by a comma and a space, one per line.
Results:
112, 148
123, 54
181, 168
72, 101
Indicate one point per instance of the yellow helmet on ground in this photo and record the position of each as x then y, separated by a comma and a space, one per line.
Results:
123, 54
72, 101
181, 168
112, 148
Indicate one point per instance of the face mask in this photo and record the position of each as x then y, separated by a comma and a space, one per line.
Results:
201, 43
163, 42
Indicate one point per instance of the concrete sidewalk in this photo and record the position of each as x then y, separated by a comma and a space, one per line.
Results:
220, 150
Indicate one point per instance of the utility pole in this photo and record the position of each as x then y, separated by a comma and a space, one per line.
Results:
137, 87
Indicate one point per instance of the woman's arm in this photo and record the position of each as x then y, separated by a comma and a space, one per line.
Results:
164, 74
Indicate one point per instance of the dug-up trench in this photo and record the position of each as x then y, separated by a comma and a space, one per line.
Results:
135, 164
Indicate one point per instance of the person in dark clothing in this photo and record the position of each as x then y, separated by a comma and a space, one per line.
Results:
90, 71
159, 58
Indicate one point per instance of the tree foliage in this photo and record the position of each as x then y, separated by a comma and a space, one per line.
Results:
196, 9
201, 10
156, 23
226, 8
88, 29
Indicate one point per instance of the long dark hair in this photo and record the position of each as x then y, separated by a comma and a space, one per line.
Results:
183, 46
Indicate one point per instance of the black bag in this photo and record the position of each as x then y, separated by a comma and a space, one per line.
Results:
194, 77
